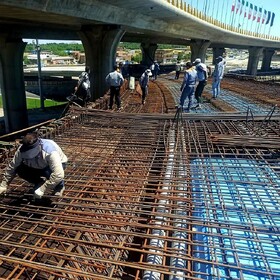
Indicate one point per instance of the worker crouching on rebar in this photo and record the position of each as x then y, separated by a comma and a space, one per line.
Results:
40, 162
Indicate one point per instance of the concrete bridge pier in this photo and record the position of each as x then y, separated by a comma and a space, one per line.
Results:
267, 57
148, 53
100, 44
218, 51
254, 57
12, 83
198, 49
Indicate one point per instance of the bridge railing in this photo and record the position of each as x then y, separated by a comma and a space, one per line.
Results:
182, 5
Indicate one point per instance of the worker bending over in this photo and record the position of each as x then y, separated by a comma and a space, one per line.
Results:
40, 162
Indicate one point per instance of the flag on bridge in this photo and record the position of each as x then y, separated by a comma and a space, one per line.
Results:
268, 17
255, 12
259, 15
264, 16
250, 11
242, 4
233, 6
272, 19
246, 9
238, 6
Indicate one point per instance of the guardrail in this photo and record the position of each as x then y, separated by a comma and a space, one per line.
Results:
182, 5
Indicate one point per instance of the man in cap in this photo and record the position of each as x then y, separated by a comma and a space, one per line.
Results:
202, 80
40, 162
115, 80
188, 86
144, 84
218, 76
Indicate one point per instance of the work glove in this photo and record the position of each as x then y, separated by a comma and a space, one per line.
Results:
3, 187
39, 192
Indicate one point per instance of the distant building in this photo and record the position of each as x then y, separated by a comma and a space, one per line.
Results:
49, 59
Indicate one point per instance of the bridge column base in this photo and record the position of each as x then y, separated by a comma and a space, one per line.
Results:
12, 83
267, 57
148, 53
100, 44
198, 49
254, 57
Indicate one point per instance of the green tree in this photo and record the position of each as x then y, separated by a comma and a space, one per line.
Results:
61, 49
136, 58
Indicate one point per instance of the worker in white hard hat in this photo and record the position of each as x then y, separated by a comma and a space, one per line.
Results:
202, 80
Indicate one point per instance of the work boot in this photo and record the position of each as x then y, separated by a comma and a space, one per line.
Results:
58, 191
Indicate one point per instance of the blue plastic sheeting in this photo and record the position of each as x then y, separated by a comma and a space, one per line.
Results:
236, 219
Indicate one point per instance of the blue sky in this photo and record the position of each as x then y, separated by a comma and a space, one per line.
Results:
221, 10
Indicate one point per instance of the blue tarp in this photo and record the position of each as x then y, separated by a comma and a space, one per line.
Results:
237, 218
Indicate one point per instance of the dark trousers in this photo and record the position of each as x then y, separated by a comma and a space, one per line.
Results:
115, 94
33, 175
83, 96
187, 92
144, 93
199, 89
177, 75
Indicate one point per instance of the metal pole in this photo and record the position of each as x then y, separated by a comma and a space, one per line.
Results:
39, 74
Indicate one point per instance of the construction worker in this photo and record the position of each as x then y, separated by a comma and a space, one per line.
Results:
144, 84
115, 80
188, 85
40, 162
218, 76
202, 80
82, 90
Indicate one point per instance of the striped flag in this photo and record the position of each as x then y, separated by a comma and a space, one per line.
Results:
255, 11
238, 6
250, 11
233, 6
264, 16
259, 15
242, 6
268, 17
272, 19
246, 9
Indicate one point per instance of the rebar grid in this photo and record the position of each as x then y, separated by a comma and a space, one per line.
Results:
147, 197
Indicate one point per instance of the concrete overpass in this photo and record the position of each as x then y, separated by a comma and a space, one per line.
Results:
101, 25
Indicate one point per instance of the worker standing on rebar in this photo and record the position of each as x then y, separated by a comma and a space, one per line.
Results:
115, 80
218, 76
40, 162
144, 84
202, 80
177, 70
188, 86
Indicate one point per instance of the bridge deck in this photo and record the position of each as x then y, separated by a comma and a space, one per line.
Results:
150, 196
